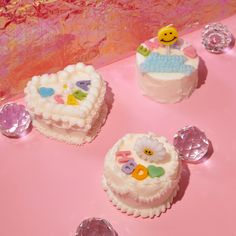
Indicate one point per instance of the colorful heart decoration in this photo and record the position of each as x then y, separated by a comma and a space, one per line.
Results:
83, 84
58, 98
154, 171
190, 51
46, 92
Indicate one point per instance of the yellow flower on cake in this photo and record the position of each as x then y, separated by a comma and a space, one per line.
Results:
150, 149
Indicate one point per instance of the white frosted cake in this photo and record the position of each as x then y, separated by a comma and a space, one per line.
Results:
69, 105
167, 78
141, 174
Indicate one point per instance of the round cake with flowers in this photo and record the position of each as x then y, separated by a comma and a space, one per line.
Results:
68, 105
141, 174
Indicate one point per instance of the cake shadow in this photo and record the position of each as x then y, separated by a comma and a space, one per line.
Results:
185, 175
109, 98
202, 73
232, 43
184, 182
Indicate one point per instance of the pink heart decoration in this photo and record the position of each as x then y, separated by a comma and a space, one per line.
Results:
58, 98
190, 51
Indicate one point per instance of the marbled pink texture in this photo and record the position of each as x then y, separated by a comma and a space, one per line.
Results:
43, 36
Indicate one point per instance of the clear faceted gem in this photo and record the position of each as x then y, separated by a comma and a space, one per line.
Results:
216, 37
14, 120
95, 227
191, 143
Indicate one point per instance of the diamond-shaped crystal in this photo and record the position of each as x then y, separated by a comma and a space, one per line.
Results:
191, 143
216, 37
95, 227
14, 120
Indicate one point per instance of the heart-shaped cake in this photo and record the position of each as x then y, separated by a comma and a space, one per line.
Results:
69, 105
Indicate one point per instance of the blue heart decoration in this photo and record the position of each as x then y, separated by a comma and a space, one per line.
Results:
160, 63
46, 92
83, 84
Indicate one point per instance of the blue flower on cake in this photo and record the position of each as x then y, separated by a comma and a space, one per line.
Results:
150, 149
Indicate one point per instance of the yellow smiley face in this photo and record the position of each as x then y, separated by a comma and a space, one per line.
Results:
167, 35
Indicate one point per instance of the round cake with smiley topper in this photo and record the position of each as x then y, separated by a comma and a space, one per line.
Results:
141, 174
167, 67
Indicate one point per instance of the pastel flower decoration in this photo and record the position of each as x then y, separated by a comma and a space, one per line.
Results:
150, 149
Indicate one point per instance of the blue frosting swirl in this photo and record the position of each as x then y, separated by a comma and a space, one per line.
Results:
160, 63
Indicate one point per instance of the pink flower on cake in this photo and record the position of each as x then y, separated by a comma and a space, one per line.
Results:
150, 149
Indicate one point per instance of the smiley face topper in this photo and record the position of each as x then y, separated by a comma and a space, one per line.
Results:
167, 35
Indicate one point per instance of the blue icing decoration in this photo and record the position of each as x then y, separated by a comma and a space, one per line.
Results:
46, 92
159, 63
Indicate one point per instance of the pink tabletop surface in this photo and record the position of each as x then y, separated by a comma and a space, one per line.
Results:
47, 187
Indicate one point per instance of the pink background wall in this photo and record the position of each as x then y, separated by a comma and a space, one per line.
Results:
43, 36
47, 187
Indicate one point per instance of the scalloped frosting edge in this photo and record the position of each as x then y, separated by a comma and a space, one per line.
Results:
144, 213
70, 116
